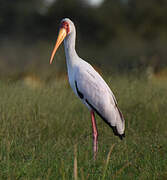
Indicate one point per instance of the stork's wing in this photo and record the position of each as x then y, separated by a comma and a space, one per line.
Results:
94, 90
96, 94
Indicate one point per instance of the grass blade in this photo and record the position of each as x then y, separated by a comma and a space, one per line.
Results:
75, 163
107, 161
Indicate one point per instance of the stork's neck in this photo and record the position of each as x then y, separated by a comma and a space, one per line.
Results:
69, 45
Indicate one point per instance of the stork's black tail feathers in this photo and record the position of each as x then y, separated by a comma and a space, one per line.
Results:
121, 136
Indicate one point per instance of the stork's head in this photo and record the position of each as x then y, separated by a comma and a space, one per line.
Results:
67, 24
66, 27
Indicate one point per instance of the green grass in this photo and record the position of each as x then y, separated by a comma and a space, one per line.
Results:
45, 133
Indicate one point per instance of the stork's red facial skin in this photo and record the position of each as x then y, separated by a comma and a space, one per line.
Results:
65, 25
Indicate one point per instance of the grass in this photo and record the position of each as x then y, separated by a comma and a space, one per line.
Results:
45, 133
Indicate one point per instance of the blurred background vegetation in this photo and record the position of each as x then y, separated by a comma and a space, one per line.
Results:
120, 36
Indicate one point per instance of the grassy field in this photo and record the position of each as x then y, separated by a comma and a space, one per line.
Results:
45, 133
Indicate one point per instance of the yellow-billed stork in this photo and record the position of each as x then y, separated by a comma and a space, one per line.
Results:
88, 85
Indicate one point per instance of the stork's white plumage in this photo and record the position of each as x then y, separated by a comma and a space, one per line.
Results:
88, 85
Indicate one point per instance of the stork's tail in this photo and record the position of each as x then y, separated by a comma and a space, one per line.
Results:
116, 133
122, 136
120, 125
119, 129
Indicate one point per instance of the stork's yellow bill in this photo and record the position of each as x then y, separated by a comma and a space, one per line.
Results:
62, 34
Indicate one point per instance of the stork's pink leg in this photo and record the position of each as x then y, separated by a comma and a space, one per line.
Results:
95, 134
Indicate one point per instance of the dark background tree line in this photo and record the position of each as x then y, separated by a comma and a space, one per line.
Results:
118, 35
